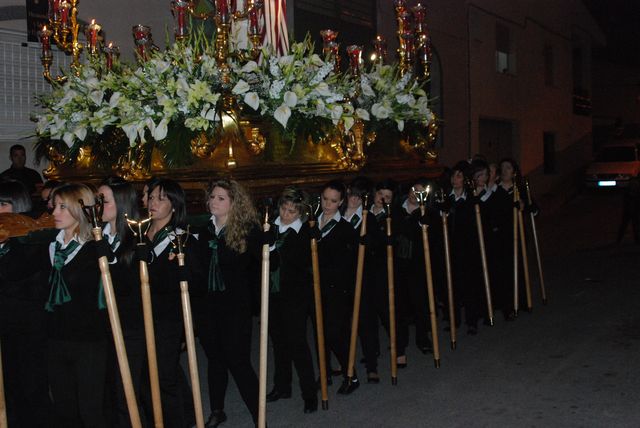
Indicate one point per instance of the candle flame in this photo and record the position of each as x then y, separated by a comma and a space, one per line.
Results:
44, 28
93, 22
110, 45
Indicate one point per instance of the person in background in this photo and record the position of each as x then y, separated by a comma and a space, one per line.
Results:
18, 171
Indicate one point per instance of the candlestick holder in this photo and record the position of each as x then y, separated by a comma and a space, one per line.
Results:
64, 25
380, 47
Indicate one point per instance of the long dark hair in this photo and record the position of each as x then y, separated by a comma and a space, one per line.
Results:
126, 200
175, 193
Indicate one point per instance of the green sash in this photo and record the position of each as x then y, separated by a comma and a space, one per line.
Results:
59, 293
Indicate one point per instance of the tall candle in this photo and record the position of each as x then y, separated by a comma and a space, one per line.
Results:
44, 39
64, 13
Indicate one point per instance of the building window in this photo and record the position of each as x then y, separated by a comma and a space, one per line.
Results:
549, 152
505, 56
548, 65
581, 78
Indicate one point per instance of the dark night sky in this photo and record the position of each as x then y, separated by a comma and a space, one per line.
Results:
620, 21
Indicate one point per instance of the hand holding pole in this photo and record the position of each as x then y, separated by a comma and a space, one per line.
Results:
422, 199
483, 256
392, 299
317, 297
523, 249
264, 327
142, 227
94, 215
358, 290
447, 261
179, 241
543, 291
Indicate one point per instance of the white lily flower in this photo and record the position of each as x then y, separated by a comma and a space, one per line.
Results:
115, 99
131, 132
68, 96
348, 123
290, 99
380, 111
404, 99
336, 113
96, 97
400, 123
92, 83
323, 89
362, 114
240, 88
366, 90
211, 115
285, 60
161, 130
282, 115
249, 67
80, 132
68, 138
252, 100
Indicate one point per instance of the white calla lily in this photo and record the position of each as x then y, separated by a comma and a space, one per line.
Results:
240, 88
249, 67
290, 99
400, 123
252, 100
282, 115
362, 114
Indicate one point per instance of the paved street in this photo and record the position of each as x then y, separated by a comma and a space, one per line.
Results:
571, 363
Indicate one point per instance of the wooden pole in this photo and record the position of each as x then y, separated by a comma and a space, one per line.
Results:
450, 296
264, 331
147, 313
3, 403
190, 339
516, 285
118, 338
483, 257
150, 337
523, 249
317, 296
537, 246
358, 293
427, 266
392, 301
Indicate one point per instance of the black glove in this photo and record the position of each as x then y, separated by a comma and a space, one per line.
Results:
423, 220
516, 204
314, 233
367, 239
143, 253
104, 250
532, 208
184, 274
269, 237
443, 206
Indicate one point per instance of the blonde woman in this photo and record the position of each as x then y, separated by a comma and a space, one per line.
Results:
77, 342
231, 254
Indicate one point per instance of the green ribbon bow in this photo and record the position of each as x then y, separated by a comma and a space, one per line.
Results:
327, 227
354, 220
102, 304
216, 283
59, 293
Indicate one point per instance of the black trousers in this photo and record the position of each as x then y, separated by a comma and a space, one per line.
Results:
374, 306
337, 309
411, 303
77, 381
137, 356
225, 335
25, 376
288, 331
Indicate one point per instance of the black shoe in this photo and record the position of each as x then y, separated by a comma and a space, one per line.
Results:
372, 377
311, 405
348, 387
217, 417
276, 395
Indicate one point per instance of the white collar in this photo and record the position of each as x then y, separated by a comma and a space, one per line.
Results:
215, 224
372, 210
295, 225
337, 217
358, 211
487, 193
106, 232
462, 196
405, 205
60, 239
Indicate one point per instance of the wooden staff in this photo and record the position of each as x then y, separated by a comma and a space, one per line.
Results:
179, 243
447, 262
535, 242
516, 288
264, 328
149, 332
523, 249
422, 199
94, 215
317, 296
358, 290
3, 403
392, 300
483, 257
